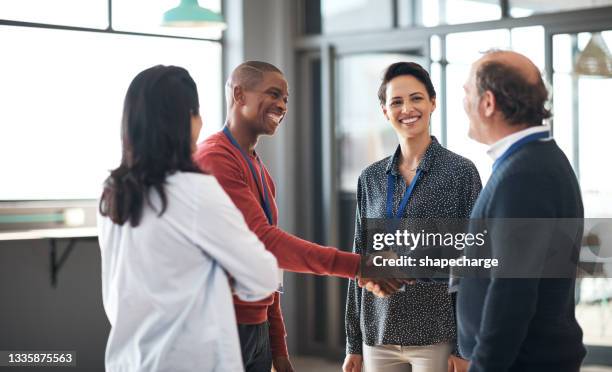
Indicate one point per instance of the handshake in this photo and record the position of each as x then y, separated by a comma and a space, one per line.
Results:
383, 287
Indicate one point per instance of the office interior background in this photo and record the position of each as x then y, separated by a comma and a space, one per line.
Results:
65, 67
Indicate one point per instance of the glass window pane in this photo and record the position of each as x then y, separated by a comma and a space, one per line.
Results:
458, 123
466, 11
62, 100
81, 13
462, 50
431, 13
580, 103
594, 310
583, 39
435, 125
406, 13
563, 111
146, 16
581, 129
363, 134
594, 145
467, 47
562, 53
356, 15
435, 48
525, 8
530, 42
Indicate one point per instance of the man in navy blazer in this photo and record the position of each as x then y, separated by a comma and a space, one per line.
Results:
525, 324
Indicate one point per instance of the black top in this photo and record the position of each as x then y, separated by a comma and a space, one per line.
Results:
423, 314
524, 324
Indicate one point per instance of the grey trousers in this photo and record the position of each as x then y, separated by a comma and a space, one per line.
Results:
255, 345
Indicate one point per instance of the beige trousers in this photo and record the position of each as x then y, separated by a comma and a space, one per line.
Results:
394, 358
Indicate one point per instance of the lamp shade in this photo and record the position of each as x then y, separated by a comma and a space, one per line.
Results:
595, 59
190, 14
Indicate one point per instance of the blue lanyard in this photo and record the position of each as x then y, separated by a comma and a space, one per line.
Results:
517, 145
391, 189
265, 201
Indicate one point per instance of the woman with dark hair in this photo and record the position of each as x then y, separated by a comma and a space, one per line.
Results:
170, 238
412, 330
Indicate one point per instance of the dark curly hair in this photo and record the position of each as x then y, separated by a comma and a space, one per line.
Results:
520, 100
405, 68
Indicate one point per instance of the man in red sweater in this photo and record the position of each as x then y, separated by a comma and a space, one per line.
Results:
256, 95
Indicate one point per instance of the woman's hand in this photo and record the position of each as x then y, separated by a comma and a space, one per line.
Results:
382, 287
352, 363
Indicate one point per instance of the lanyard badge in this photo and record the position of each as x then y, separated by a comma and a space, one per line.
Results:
263, 191
404, 203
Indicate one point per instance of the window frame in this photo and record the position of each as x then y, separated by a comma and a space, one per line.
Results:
50, 229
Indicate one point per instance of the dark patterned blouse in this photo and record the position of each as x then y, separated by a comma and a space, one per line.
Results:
423, 314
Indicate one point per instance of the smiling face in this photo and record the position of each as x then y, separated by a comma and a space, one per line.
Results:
265, 105
408, 106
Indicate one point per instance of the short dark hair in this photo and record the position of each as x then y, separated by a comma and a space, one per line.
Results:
519, 100
405, 68
251, 73
156, 141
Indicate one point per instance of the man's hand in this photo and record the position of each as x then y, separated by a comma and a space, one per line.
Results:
456, 364
282, 364
352, 363
381, 287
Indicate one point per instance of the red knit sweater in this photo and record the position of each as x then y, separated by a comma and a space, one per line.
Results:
217, 156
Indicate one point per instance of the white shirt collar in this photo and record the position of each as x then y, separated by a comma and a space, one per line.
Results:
498, 148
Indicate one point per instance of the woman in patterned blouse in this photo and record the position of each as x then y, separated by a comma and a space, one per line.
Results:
412, 330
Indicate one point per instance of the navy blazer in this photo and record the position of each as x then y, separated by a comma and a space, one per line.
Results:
524, 324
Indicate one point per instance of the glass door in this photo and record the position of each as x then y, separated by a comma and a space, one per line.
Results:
583, 128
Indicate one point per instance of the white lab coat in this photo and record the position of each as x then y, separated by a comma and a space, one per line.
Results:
164, 282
